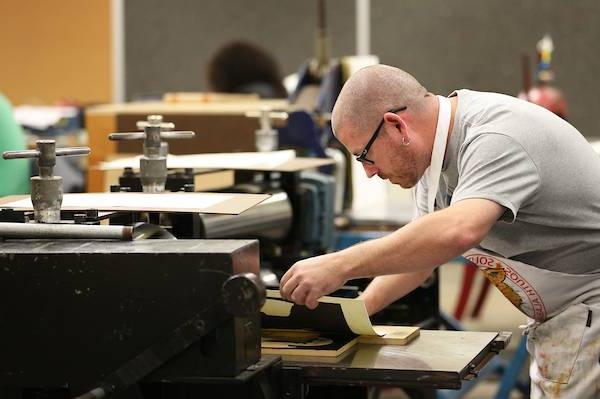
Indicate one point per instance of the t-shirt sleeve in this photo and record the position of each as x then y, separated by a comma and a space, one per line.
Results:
497, 168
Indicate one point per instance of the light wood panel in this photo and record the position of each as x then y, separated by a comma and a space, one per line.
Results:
54, 50
98, 128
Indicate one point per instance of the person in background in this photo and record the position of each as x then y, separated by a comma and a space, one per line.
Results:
242, 67
503, 182
14, 173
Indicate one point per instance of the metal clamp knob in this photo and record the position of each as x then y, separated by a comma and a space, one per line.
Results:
46, 189
267, 138
153, 164
153, 120
153, 126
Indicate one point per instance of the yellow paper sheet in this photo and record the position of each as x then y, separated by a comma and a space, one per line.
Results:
353, 309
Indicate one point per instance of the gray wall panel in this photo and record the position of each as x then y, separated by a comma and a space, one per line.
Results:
446, 44
168, 43
477, 44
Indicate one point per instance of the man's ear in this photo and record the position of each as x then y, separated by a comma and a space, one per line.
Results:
396, 120
390, 117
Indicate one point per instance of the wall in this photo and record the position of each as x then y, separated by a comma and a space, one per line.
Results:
477, 44
168, 44
446, 44
55, 49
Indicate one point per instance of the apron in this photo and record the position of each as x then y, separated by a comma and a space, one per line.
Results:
561, 306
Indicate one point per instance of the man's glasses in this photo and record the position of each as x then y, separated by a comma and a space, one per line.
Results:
362, 157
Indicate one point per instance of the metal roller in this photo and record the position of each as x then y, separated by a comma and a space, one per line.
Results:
271, 219
65, 231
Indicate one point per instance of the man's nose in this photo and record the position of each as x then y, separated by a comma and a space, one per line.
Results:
370, 170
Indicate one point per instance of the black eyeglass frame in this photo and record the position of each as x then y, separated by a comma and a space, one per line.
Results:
362, 157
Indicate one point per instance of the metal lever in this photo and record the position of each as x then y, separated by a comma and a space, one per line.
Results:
127, 136
46, 153
273, 115
142, 135
182, 134
46, 189
153, 164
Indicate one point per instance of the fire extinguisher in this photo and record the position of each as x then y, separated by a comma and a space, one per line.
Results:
543, 92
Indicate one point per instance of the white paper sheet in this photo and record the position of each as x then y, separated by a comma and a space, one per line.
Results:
233, 160
42, 117
164, 202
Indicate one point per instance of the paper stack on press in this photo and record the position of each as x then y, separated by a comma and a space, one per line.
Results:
333, 327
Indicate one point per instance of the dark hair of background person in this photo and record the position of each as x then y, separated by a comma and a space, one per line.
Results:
242, 67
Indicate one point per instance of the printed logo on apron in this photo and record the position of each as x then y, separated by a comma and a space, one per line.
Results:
510, 283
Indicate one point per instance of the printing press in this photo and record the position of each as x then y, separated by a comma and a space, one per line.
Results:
81, 299
143, 302
295, 223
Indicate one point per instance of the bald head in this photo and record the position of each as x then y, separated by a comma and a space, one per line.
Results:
370, 92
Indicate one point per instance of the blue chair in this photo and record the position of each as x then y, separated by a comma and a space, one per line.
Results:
302, 132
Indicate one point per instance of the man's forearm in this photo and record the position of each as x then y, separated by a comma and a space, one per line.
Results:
417, 247
425, 243
384, 290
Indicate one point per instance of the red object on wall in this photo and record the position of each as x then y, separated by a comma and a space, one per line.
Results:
543, 93
548, 97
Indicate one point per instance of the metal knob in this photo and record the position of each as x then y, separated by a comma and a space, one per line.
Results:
46, 189
154, 120
243, 294
267, 138
153, 164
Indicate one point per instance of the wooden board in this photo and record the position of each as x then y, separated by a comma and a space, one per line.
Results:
391, 335
205, 108
98, 127
305, 343
229, 203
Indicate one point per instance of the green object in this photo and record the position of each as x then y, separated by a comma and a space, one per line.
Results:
14, 173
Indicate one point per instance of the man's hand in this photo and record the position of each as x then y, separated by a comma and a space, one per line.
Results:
309, 279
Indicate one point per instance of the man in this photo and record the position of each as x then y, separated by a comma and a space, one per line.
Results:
506, 183
243, 67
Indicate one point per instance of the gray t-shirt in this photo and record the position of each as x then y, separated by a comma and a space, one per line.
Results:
537, 166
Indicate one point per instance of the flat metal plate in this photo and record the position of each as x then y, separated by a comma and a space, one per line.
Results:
438, 359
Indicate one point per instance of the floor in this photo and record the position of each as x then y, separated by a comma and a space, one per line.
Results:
498, 314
